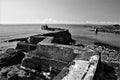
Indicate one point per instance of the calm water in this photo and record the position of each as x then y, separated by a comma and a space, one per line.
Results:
9, 32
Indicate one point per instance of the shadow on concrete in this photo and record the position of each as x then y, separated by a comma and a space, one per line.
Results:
105, 72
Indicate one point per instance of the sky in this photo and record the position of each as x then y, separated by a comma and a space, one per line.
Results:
59, 11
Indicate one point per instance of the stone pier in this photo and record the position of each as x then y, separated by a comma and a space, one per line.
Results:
52, 56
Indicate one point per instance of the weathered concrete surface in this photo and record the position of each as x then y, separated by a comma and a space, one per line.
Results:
25, 46
35, 39
82, 70
43, 64
57, 56
77, 71
47, 40
60, 37
45, 58
55, 51
5, 45
93, 66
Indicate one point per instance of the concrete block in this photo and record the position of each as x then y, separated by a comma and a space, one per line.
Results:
25, 46
55, 51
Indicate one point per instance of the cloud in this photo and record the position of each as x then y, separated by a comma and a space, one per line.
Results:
54, 21
51, 21
101, 22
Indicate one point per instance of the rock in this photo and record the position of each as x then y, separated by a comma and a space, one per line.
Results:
10, 57
11, 51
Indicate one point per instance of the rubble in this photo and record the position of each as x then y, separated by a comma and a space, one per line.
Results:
11, 56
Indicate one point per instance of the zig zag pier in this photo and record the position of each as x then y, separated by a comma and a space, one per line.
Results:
54, 55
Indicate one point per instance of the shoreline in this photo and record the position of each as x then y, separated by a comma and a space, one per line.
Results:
91, 40
110, 61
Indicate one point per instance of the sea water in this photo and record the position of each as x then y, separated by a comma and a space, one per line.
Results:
16, 31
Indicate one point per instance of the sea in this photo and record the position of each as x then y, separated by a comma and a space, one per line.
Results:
12, 31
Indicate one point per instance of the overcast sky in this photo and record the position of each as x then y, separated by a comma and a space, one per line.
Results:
59, 11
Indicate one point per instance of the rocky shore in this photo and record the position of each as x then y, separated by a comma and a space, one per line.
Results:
110, 57
108, 28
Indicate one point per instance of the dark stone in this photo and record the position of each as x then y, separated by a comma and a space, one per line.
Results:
18, 39
36, 39
103, 44
11, 51
15, 77
10, 58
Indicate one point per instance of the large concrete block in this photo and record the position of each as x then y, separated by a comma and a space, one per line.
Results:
61, 37
47, 40
54, 51
25, 46
36, 39
43, 64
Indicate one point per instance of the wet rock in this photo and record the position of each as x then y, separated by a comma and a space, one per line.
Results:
10, 57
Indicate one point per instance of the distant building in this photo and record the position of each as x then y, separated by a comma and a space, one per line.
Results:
44, 27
